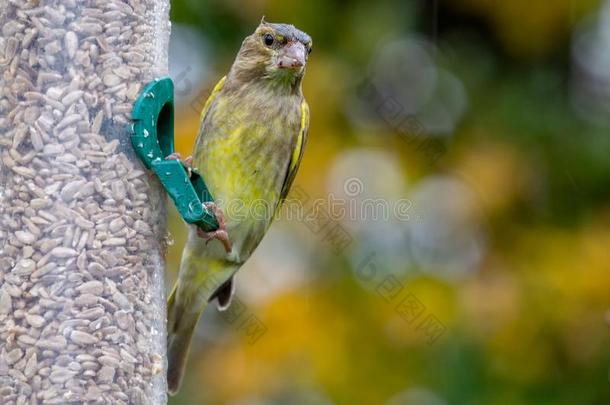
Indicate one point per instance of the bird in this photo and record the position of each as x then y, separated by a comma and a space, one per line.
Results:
252, 134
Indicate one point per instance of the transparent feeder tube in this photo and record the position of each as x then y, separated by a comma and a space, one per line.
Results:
82, 302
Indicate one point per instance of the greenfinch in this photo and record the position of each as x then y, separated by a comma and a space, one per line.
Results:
252, 134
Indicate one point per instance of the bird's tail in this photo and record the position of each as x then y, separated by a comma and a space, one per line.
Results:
182, 317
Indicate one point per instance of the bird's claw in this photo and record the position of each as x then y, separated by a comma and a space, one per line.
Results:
188, 162
221, 233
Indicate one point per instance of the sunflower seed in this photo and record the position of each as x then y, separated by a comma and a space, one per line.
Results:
71, 43
36, 321
83, 338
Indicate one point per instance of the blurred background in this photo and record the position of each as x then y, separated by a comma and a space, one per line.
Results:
460, 255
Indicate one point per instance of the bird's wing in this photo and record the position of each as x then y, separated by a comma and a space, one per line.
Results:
213, 95
297, 153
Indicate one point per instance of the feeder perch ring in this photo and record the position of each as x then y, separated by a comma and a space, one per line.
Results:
153, 140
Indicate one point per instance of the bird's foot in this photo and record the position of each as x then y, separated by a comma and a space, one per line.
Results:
221, 233
188, 162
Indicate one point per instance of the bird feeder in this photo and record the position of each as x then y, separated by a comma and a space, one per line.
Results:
82, 220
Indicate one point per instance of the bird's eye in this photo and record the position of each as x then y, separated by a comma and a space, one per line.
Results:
268, 38
309, 48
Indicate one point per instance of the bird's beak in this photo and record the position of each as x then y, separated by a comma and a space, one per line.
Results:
292, 56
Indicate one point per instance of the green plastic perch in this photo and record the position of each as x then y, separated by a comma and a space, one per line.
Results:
153, 140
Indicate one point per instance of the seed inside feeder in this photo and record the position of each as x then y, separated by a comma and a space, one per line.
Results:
81, 283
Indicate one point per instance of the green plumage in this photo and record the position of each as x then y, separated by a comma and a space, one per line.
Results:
248, 150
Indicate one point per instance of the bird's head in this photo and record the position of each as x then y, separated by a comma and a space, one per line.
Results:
275, 52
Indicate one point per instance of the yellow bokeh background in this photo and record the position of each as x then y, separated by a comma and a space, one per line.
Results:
506, 245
